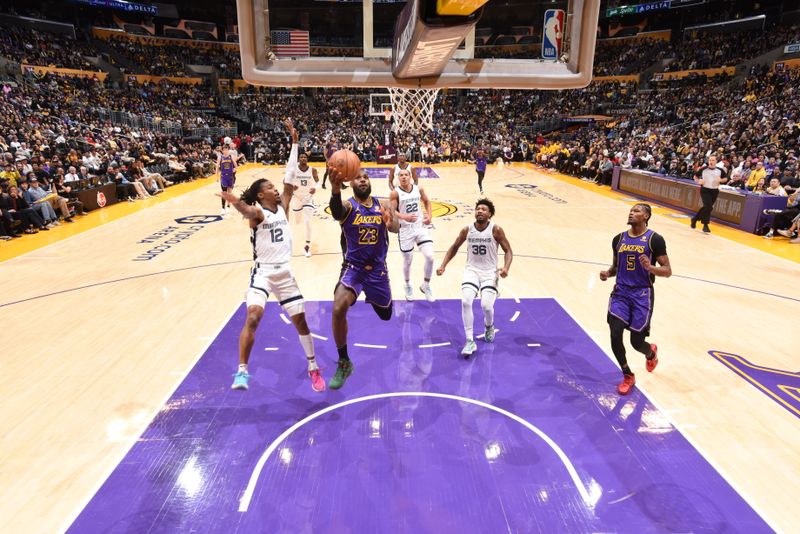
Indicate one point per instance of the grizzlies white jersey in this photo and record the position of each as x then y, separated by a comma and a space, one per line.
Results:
272, 241
410, 202
304, 180
481, 248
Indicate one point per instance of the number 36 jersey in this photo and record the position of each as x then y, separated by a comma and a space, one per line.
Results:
271, 239
481, 248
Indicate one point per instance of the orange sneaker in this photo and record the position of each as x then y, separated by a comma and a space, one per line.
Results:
625, 387
652, 362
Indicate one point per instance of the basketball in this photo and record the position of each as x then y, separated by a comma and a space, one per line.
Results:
346, 162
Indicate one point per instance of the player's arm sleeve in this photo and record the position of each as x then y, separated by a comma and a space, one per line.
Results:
615, 241
337, 208
291, 165
658, 245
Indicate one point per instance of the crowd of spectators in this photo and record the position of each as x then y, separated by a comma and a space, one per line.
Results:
59, 129
172, 59
27, 46
705, 50
614, 57
52, 144
754, 129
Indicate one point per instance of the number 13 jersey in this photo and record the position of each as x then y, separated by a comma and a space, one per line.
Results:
271, 239
481, 248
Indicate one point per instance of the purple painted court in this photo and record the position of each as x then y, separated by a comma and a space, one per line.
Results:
427, 173
527, 436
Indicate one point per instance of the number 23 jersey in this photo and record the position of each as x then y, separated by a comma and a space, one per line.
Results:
271, 239
481, 248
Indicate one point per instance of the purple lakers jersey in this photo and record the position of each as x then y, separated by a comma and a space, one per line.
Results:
365, 233
226, 167
628, 249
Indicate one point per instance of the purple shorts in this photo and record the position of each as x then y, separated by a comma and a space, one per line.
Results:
373, 282
633, 306
226, 182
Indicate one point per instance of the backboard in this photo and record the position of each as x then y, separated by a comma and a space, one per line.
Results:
515, 44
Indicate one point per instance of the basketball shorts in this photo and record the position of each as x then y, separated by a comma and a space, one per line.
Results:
480, 280
409, 237
373, 282
633, 306
276, 279
302, 202
226, 182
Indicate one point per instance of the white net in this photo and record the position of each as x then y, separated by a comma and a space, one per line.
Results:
412, 109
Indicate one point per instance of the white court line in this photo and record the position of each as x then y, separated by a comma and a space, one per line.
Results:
323, 338
516, 298
681, 429
534, 344
590, 497
365, 346
270, 348
285, 319
430, 345
135, 437
514, 317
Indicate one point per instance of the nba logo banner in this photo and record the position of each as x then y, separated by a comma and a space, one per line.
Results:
553, 33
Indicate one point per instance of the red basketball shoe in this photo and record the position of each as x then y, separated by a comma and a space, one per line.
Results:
625, 387
317, 382
652, 362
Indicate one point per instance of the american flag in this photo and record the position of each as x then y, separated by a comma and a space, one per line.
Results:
290, 43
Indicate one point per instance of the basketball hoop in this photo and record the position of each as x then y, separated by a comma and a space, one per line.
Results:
412, 109
387, 115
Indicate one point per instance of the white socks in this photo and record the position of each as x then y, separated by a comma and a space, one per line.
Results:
308, 347
427, 253
487, 304
467, 296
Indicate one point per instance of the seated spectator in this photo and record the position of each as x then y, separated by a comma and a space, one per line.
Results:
59, 186
775, 188
15, 208
783, 218
71, 176
790, 180
137, 175
37, 200
758, 175
11, 174
125, 188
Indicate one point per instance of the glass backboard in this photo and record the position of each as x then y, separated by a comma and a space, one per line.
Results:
515, 44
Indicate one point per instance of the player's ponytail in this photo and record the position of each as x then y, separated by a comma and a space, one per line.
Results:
250, 195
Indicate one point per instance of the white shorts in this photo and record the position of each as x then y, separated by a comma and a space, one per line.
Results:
480, 280
302, 203
275, 278
409, 237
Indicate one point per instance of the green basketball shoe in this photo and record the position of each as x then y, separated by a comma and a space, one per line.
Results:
343, 370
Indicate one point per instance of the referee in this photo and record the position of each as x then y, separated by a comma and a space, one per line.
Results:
709, 177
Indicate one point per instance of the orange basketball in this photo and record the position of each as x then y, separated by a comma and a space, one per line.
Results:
346, 162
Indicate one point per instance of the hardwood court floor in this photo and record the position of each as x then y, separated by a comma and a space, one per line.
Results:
97, 336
